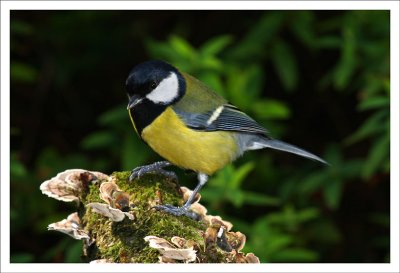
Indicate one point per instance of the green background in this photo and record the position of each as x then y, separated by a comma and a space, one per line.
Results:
316, 79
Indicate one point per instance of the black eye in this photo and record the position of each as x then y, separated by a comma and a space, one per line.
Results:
153, 85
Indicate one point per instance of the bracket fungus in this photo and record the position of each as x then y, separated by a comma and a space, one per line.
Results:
111, 194
67, 186
117, 223
70, 226
116, 215
118, 203
171, 253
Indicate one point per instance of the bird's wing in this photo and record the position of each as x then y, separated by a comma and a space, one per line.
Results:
224, 118
204, 110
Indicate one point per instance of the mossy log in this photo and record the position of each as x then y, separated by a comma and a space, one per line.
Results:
145, 235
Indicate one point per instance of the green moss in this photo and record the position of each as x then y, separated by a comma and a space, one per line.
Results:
124, 241
148, 187
92, 195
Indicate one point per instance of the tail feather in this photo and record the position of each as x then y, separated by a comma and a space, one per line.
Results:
283, 146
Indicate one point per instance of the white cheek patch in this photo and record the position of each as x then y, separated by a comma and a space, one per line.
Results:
166, 91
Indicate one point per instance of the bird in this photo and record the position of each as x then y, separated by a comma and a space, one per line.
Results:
191, 126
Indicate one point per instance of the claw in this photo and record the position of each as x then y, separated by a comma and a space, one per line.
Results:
178, 211
184, 210
156, 167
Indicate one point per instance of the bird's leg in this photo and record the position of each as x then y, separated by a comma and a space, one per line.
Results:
185, 209
156, 167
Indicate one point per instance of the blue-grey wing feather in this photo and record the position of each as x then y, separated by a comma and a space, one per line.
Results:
229, 119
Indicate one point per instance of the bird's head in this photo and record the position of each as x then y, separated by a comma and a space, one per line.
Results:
156, 82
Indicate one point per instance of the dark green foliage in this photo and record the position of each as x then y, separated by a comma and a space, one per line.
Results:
317, 79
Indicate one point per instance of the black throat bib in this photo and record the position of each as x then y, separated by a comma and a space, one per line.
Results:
145, 113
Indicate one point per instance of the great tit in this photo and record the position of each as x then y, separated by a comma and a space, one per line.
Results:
190, 126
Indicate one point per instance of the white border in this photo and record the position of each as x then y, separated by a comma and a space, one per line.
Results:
6, 6
394, 135
5, 137
193, 5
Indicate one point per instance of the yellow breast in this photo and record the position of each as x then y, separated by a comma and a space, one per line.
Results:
204, 152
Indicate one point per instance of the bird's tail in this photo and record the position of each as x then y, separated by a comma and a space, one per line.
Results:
283, 146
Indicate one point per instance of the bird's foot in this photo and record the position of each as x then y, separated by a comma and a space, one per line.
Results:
178, 211
156, 167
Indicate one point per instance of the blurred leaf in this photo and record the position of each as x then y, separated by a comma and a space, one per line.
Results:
278, 243
225, 185
74, 252
373, 87
50, 162
352, 168
210, 63
21, 258
325, 231
290, 218
182, 47
371, 126
375, 102
271, 109
213, 81
328, 42
236, 197
17, 169
347, 64
240, 174
254, 198
307, 214
333, 155
386, 86
303, 27
162, 51
113, 116
285, 65
98, 140
214, 46
213, 194
295, 255
23, 72
379, 152
248, 81
333, 193
312, 183
254, 44
133, 153
286, 216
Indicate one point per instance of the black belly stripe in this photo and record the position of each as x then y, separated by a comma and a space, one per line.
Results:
145, 113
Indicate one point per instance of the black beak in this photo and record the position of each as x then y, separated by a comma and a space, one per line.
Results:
133, 101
